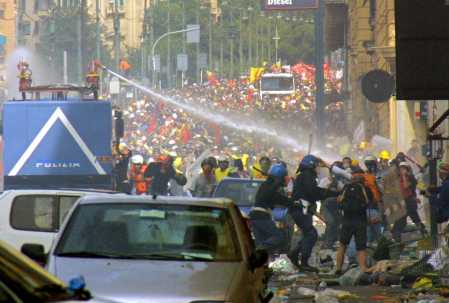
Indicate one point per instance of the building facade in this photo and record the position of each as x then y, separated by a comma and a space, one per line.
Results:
371, 45
131, 14
7, 39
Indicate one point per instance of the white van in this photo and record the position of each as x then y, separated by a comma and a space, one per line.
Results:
34, 215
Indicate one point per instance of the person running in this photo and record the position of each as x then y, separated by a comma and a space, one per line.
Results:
354, 201
307, 192
408, 190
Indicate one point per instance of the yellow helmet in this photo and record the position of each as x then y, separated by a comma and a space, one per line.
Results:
384, 155
363, 145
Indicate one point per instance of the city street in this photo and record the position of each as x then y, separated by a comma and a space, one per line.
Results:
224, 151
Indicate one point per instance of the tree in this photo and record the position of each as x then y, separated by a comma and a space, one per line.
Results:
296, 42
59, 33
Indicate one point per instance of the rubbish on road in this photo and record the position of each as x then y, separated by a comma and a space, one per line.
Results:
386, 279
320, 297
444, 292
417, 269
282, 265
305, 293
379, 298
351, 277
423, 283
294, 277
322, 285
439, 258
339, 294
391, 266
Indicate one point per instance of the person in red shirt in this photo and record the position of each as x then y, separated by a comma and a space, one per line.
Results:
408, 190
137, 175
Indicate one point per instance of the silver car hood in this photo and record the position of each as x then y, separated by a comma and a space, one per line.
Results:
139, 281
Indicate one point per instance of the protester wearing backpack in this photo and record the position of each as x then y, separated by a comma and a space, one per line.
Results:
354, 201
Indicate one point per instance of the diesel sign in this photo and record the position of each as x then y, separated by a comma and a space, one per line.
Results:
289, 4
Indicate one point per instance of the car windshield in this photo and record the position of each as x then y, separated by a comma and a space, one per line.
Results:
242, 193
157, 231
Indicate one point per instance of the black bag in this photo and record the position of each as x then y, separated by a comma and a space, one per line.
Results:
354, 200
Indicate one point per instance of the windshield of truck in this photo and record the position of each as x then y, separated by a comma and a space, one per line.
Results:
277, 84
159, 231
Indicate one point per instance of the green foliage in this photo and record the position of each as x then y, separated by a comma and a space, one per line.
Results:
296, 43
59, 32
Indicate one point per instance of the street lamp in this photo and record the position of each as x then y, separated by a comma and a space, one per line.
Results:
153, 48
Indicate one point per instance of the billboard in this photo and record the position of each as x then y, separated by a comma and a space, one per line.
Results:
422, 48
270, 5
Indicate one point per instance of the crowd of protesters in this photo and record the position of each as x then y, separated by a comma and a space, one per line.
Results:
359, 200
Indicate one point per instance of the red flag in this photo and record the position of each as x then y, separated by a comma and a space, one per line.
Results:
152, 125
185, 134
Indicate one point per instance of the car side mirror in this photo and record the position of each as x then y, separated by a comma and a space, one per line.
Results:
258, 259
35, 252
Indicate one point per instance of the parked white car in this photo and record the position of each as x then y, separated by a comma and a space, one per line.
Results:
34, 215
138, 249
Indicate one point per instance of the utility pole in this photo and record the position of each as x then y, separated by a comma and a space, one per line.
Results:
80, 41
276, 39
256, 22
198, 70
98, 40
97, 28
270, 35
319, 75
210, 40
232, 44
143, 49
184, 38
152, 71
117, 35
221, 44
168, 45
240, 43
250, 37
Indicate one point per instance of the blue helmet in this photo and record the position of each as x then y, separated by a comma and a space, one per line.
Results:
309, 161
278, 170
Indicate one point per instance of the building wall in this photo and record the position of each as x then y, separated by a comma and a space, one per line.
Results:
371, 39
8, 30
131, 20
28, 24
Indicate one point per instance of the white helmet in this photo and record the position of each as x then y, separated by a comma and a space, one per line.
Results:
137, 159
404, 164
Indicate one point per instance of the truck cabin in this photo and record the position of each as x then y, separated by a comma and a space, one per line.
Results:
277, 84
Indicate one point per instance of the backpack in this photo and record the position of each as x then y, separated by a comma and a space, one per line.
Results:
354, 199
370, 182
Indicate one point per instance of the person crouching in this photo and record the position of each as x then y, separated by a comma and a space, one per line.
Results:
269, 195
